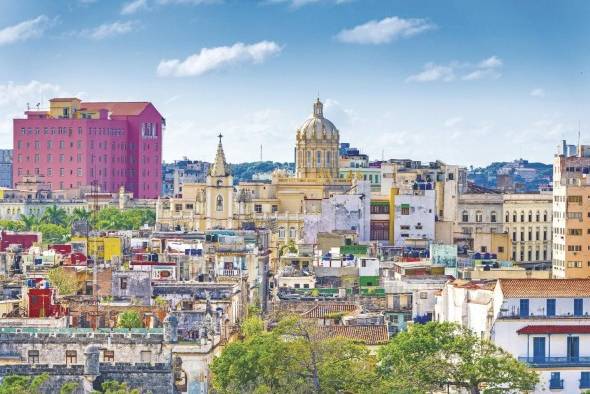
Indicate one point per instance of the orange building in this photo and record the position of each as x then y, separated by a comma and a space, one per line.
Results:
571, 212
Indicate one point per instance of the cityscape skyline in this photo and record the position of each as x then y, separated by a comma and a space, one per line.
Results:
429, 82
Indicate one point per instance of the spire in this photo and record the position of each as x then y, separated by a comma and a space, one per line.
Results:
318, 109
219, 167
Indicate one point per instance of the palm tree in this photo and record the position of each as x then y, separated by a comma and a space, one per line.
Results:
29, 221
55, 215
80, 214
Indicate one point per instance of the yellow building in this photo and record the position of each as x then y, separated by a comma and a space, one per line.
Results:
100, 248
280, 205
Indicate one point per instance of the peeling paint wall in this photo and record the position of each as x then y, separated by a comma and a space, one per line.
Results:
341, 212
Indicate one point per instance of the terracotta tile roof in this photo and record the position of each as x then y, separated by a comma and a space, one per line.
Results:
472, 284
116, 108
368, 334
545, 329
543, 288
324, 310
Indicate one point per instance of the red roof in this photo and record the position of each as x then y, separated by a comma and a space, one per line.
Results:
564, 329
117, 108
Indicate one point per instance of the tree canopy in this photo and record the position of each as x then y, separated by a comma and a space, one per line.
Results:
291, 358
17, 384
64, 280
433, 356
55, 223
129, 319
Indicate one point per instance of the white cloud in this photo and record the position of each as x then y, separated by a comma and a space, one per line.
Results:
301, 3
209, 59
193, 2
491, 62
537, 92
23, 31
485, 73
486, 69
452, 122
14, 99
134, 6
433, 72
385, 30
108, 30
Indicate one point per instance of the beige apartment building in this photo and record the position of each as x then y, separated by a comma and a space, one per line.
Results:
528, 222
571, 212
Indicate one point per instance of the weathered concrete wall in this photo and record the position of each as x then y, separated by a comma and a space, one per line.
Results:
156, 378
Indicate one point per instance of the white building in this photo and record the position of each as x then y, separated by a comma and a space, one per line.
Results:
542, 322
414, 217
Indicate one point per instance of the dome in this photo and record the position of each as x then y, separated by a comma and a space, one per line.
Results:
317, 125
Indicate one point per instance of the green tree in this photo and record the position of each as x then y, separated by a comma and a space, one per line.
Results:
53, 233
79, 214
129, 219
11, 225
129, 319
115, 387
55, 215
69, 387
29, 221
435, 356
292, 358
64, 280
17, 384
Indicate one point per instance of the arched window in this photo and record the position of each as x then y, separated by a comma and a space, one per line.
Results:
493, 217
219, 205
478, 216
538, 216
530, 216
522, 216
328, 159
514, 216
281, 232
308, 161
507, 217
319, 158
465, 216
545, 216
292, 233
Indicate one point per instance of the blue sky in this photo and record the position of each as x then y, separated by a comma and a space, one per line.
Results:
466, 82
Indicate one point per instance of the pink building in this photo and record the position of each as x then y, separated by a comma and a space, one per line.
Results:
75, 143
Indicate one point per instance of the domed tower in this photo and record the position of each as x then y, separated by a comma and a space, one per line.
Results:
316, 150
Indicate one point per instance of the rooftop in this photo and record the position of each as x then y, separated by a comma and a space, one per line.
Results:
545, 288
117, 108
325, 310
369, 334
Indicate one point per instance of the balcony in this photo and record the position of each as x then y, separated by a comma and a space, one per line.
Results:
548, 362
556, 384
230, 272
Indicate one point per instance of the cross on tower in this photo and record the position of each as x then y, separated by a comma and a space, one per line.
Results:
220, 136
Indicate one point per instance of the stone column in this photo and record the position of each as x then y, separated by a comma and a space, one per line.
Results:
91, 367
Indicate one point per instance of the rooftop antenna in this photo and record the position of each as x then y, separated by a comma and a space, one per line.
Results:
37, 105
28, 106
579, 131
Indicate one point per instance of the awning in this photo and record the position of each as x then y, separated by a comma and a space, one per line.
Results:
557, 329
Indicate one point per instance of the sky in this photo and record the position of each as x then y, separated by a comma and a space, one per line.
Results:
465, 82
